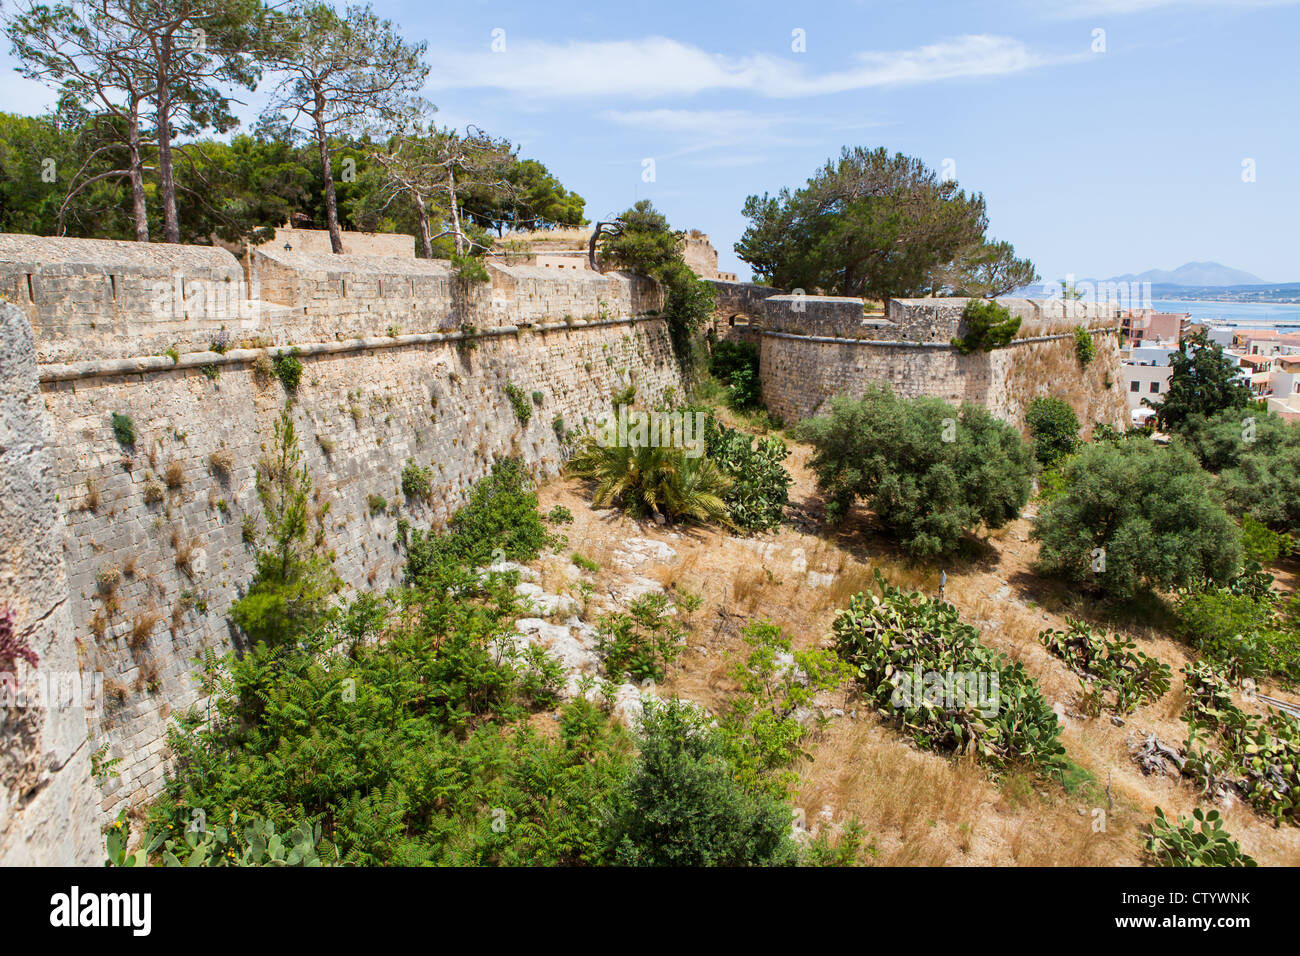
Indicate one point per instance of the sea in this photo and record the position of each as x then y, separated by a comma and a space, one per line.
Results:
1280, 316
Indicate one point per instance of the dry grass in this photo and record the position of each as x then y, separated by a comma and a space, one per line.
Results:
184, 547
174, 474
221, 462
918, 808
142, 626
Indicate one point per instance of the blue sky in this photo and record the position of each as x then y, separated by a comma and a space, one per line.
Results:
1092, 163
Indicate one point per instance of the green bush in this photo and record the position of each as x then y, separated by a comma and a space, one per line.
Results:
1136, 515
1084, 347
1055, 428
642, 643
1256, 456
1114, 665
293, 583
501, 515
647, 480
470, 269
760, 484
729, 357
929, 471
288, 369
1261, 545
417, 481
519, 402
766, 723
989, 326
682, 807
1242, 633
1182, 844
124, 429
744, 389
926, 672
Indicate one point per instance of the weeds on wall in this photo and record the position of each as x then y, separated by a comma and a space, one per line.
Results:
124, 430
1084, 347
288, 369
519, 402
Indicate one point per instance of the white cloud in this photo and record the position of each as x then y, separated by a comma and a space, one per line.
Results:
659, 66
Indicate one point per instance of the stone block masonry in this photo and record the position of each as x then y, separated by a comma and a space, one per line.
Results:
401, 363
47, 801
825, 348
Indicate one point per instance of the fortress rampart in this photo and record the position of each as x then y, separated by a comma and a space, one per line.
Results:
402, 362
816, 347
121, 562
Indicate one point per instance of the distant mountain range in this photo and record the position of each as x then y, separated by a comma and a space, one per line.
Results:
1197, 281
1196, 275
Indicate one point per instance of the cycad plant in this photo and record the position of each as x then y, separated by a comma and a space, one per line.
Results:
647, 480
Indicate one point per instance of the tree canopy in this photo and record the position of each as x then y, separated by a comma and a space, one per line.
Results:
874, 225
930, 472
1204, 381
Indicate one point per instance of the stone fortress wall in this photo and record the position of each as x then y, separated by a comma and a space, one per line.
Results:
122, 563
402, 362
813, 348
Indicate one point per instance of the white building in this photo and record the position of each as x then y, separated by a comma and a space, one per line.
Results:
1145, 374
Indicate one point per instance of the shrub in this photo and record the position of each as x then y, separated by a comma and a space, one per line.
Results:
519, 402
377, 504
559, 515
1116, 665
1182, 844
124, 429
470, 269
1257, 458
929, 471
989, 326
256, 844
1136, 514
649, 480
1241, 633
744, 389
768, 720
760, 484
1084, 347
1261, 545
288, 369
1054, 426
681, 806
729, 357
641, 643
501, 515
293, 582
906, 648
417, 481
174, 474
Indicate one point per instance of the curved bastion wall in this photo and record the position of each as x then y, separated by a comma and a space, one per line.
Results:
401, 362
813, 348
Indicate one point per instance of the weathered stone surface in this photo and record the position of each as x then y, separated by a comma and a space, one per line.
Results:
48, 802
154, 533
